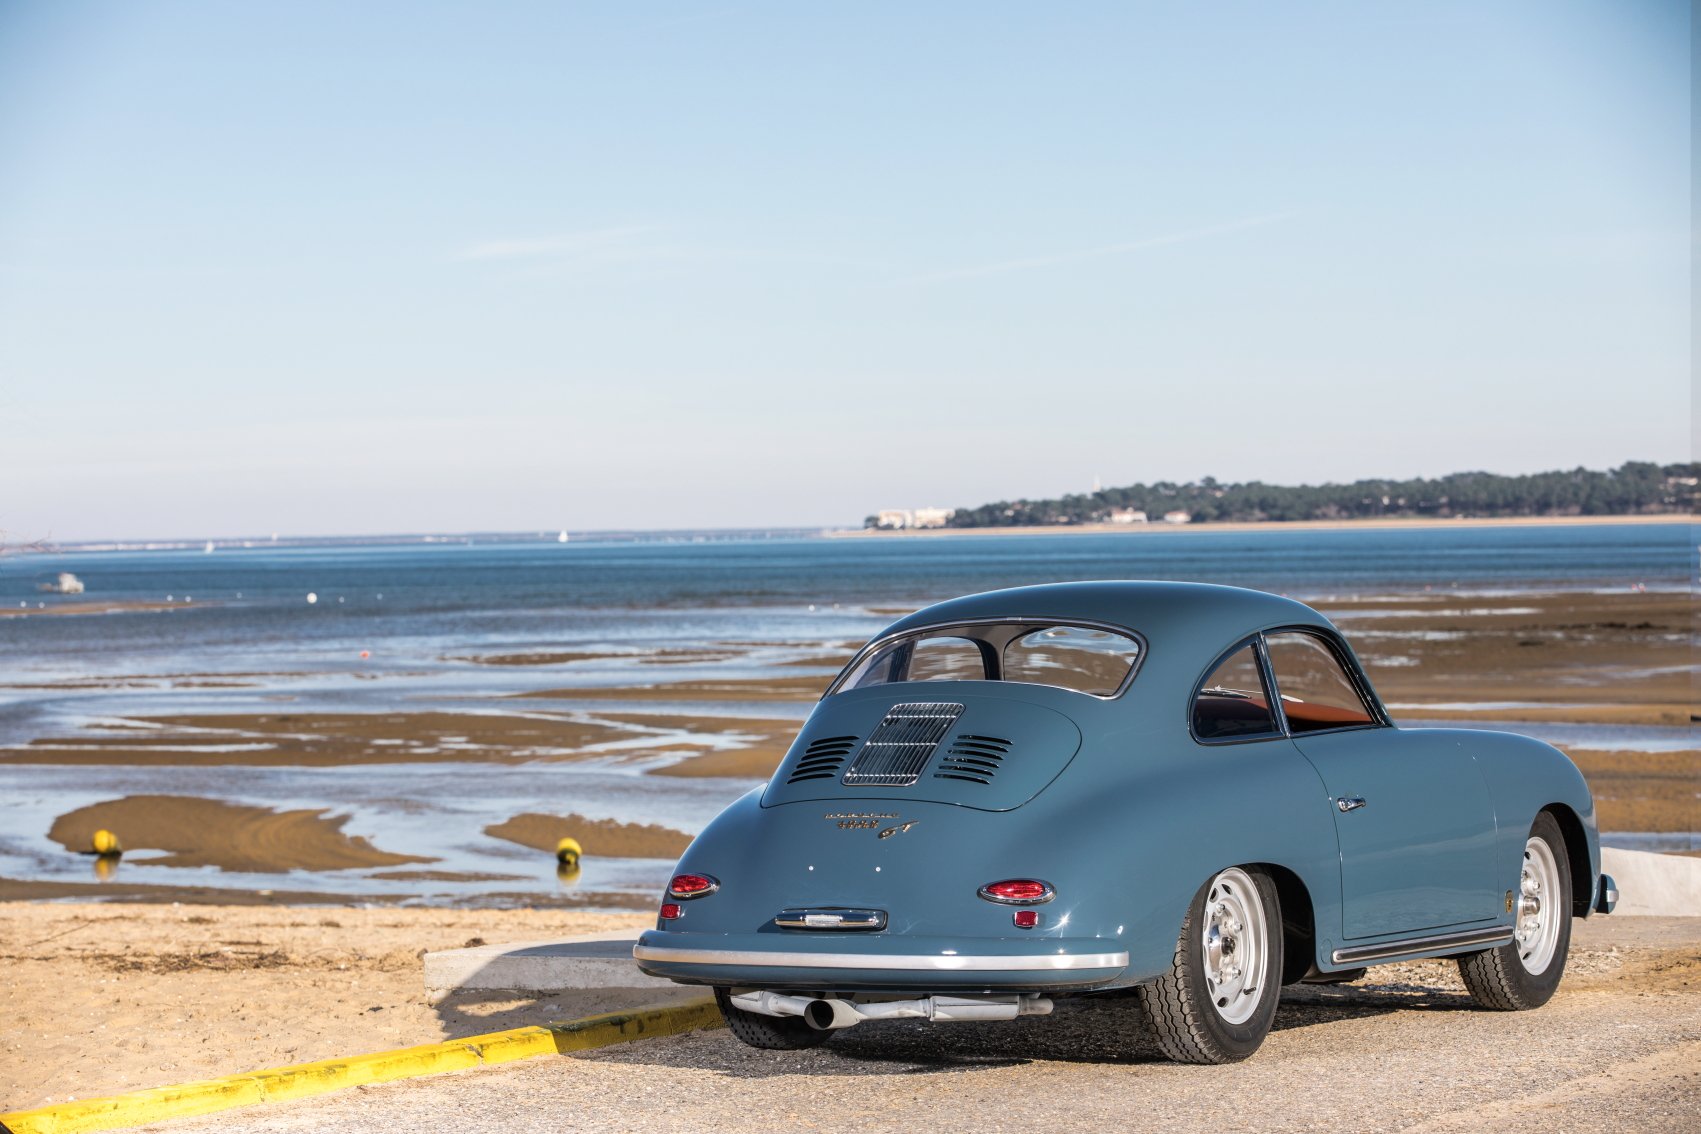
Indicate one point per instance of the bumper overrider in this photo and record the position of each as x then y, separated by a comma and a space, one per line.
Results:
850, 961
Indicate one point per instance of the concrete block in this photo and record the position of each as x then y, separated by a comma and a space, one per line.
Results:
591, 960
1654, 885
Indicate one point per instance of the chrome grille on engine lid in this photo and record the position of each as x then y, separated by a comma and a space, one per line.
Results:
901, 747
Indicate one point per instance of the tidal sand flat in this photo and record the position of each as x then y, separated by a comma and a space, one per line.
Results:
185, 831
322, 739
603, 837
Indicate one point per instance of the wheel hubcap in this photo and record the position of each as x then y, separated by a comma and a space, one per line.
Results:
1236, 945
1536, 930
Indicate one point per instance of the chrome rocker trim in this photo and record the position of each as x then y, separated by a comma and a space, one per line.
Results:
925, 962
1493, 936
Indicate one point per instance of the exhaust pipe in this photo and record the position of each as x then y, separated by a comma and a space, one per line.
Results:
831, 1013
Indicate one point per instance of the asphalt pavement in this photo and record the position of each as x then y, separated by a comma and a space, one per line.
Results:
1403, 1049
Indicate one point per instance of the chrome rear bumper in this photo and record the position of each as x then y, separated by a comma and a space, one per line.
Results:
761, 961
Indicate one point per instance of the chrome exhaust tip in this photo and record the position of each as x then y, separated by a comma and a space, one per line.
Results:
830, 1015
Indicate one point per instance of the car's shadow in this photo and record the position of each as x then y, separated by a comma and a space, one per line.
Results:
472, 1012
1104, 1029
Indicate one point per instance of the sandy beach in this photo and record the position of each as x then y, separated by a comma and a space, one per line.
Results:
105, 998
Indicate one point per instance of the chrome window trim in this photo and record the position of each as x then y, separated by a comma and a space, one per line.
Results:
924, 962
885, 640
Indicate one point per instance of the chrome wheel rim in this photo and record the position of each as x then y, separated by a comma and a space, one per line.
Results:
1235, 941
1536, 928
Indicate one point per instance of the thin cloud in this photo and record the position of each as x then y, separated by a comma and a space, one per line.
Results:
1099, 253
559, 247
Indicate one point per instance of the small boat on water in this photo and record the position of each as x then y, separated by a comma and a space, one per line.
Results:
562, 538
65, 584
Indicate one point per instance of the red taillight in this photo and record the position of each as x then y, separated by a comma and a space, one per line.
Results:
689, 886
671, 911
1018, 891
1026, 919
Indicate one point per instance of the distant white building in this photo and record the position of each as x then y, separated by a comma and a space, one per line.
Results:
932, 517
1127, 516
1178, 517
900, 518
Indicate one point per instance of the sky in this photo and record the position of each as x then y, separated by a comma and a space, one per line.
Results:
407, 267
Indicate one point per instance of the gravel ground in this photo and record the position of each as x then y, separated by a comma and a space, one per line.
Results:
1618, 1049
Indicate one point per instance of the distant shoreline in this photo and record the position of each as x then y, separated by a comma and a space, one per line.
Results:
1272, 526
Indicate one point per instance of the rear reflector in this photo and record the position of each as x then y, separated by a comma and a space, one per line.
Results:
1018, 891
1024, 919
671, 912
692, 886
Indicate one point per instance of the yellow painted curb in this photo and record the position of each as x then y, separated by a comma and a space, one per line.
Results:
301, 1080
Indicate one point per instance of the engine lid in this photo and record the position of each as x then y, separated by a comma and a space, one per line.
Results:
948, 744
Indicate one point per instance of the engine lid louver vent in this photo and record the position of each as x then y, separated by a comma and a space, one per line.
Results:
903, 744
822, 759
973, 758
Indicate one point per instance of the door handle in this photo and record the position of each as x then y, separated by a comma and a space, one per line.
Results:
1350, 802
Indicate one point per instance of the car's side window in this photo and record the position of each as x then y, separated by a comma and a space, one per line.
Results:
1232, 703
1316, 692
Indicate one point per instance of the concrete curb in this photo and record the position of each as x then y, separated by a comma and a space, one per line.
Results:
1654, 885
304, 1079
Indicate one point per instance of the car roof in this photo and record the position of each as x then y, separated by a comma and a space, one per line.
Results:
1204, 614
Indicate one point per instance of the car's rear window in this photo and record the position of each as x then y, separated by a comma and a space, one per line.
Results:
1084, 659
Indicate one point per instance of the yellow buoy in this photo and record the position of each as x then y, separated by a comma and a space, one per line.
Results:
567, 851
105, 842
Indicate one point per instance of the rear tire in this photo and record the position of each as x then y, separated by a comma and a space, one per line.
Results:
1216, 1003
1524, 973
770, 1033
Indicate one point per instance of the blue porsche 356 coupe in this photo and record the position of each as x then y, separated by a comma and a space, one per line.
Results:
1190, 790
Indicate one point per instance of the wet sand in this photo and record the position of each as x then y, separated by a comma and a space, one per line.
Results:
106, 998
321, 739
1585, 658
776, 688
762, 744
91, 606
209, 832
600, 837
1624, 657
1643, 791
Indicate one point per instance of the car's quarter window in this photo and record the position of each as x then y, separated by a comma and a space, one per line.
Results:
1231, 703
946, 659
1071, 657
1316, 692
1083, 658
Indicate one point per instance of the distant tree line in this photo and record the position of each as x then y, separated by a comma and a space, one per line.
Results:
1636, 487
